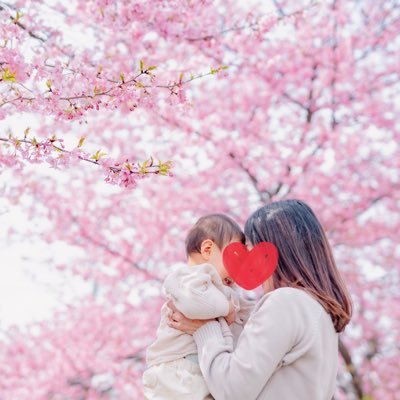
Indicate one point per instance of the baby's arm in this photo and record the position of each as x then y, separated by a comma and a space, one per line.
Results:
194, 293
242, 306
226, 332
246, 308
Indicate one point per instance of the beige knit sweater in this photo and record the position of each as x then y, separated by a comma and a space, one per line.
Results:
288, 350
198, 292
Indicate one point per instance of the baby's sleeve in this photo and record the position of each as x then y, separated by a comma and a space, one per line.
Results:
226, 332
243, 306
194, 293
246, 308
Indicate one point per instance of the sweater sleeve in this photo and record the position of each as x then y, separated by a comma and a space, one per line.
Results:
246, 308
241, 373
226, 331
195, 294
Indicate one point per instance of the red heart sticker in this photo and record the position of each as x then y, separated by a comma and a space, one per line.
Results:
250, 269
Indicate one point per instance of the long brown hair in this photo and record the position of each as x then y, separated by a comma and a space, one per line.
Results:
305, 256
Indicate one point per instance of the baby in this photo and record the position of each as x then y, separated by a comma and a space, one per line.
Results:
200, 290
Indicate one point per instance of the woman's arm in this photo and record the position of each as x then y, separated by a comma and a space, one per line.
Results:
241, 373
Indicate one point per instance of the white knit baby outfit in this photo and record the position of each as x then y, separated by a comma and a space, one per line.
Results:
198, 292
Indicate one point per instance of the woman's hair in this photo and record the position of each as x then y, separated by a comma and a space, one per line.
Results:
217, 227
305, 256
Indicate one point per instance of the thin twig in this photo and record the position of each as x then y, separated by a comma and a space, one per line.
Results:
22, 26
60, 149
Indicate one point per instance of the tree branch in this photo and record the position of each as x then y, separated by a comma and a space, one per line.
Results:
108, 249
355, 378
250, 25
150, 169
22, 26
334, 121
279, 8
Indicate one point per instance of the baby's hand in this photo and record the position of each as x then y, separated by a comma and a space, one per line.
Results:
230, 318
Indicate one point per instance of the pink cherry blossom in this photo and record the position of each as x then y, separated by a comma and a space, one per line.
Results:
246, 103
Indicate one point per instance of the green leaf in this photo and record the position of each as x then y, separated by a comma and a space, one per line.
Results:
141, 66
216, 70
8, 76
81, 140
164, 168
96, 156
96, 90
17, 17
151, 68
143, 167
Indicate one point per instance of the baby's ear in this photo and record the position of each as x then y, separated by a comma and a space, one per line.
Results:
206, 247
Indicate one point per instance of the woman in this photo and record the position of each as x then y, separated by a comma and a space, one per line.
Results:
289, 347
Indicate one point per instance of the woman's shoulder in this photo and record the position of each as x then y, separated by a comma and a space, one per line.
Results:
292, 300
295, 309
287, 293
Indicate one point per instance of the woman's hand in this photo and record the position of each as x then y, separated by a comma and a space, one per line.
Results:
178, 321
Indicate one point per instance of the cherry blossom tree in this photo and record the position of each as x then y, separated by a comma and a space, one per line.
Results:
225, 106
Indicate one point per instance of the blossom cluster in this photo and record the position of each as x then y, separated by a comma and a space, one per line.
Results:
53, 152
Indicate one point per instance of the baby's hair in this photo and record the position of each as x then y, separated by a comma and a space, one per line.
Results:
219, 228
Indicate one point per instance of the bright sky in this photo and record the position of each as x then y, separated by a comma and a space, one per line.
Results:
29, 288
